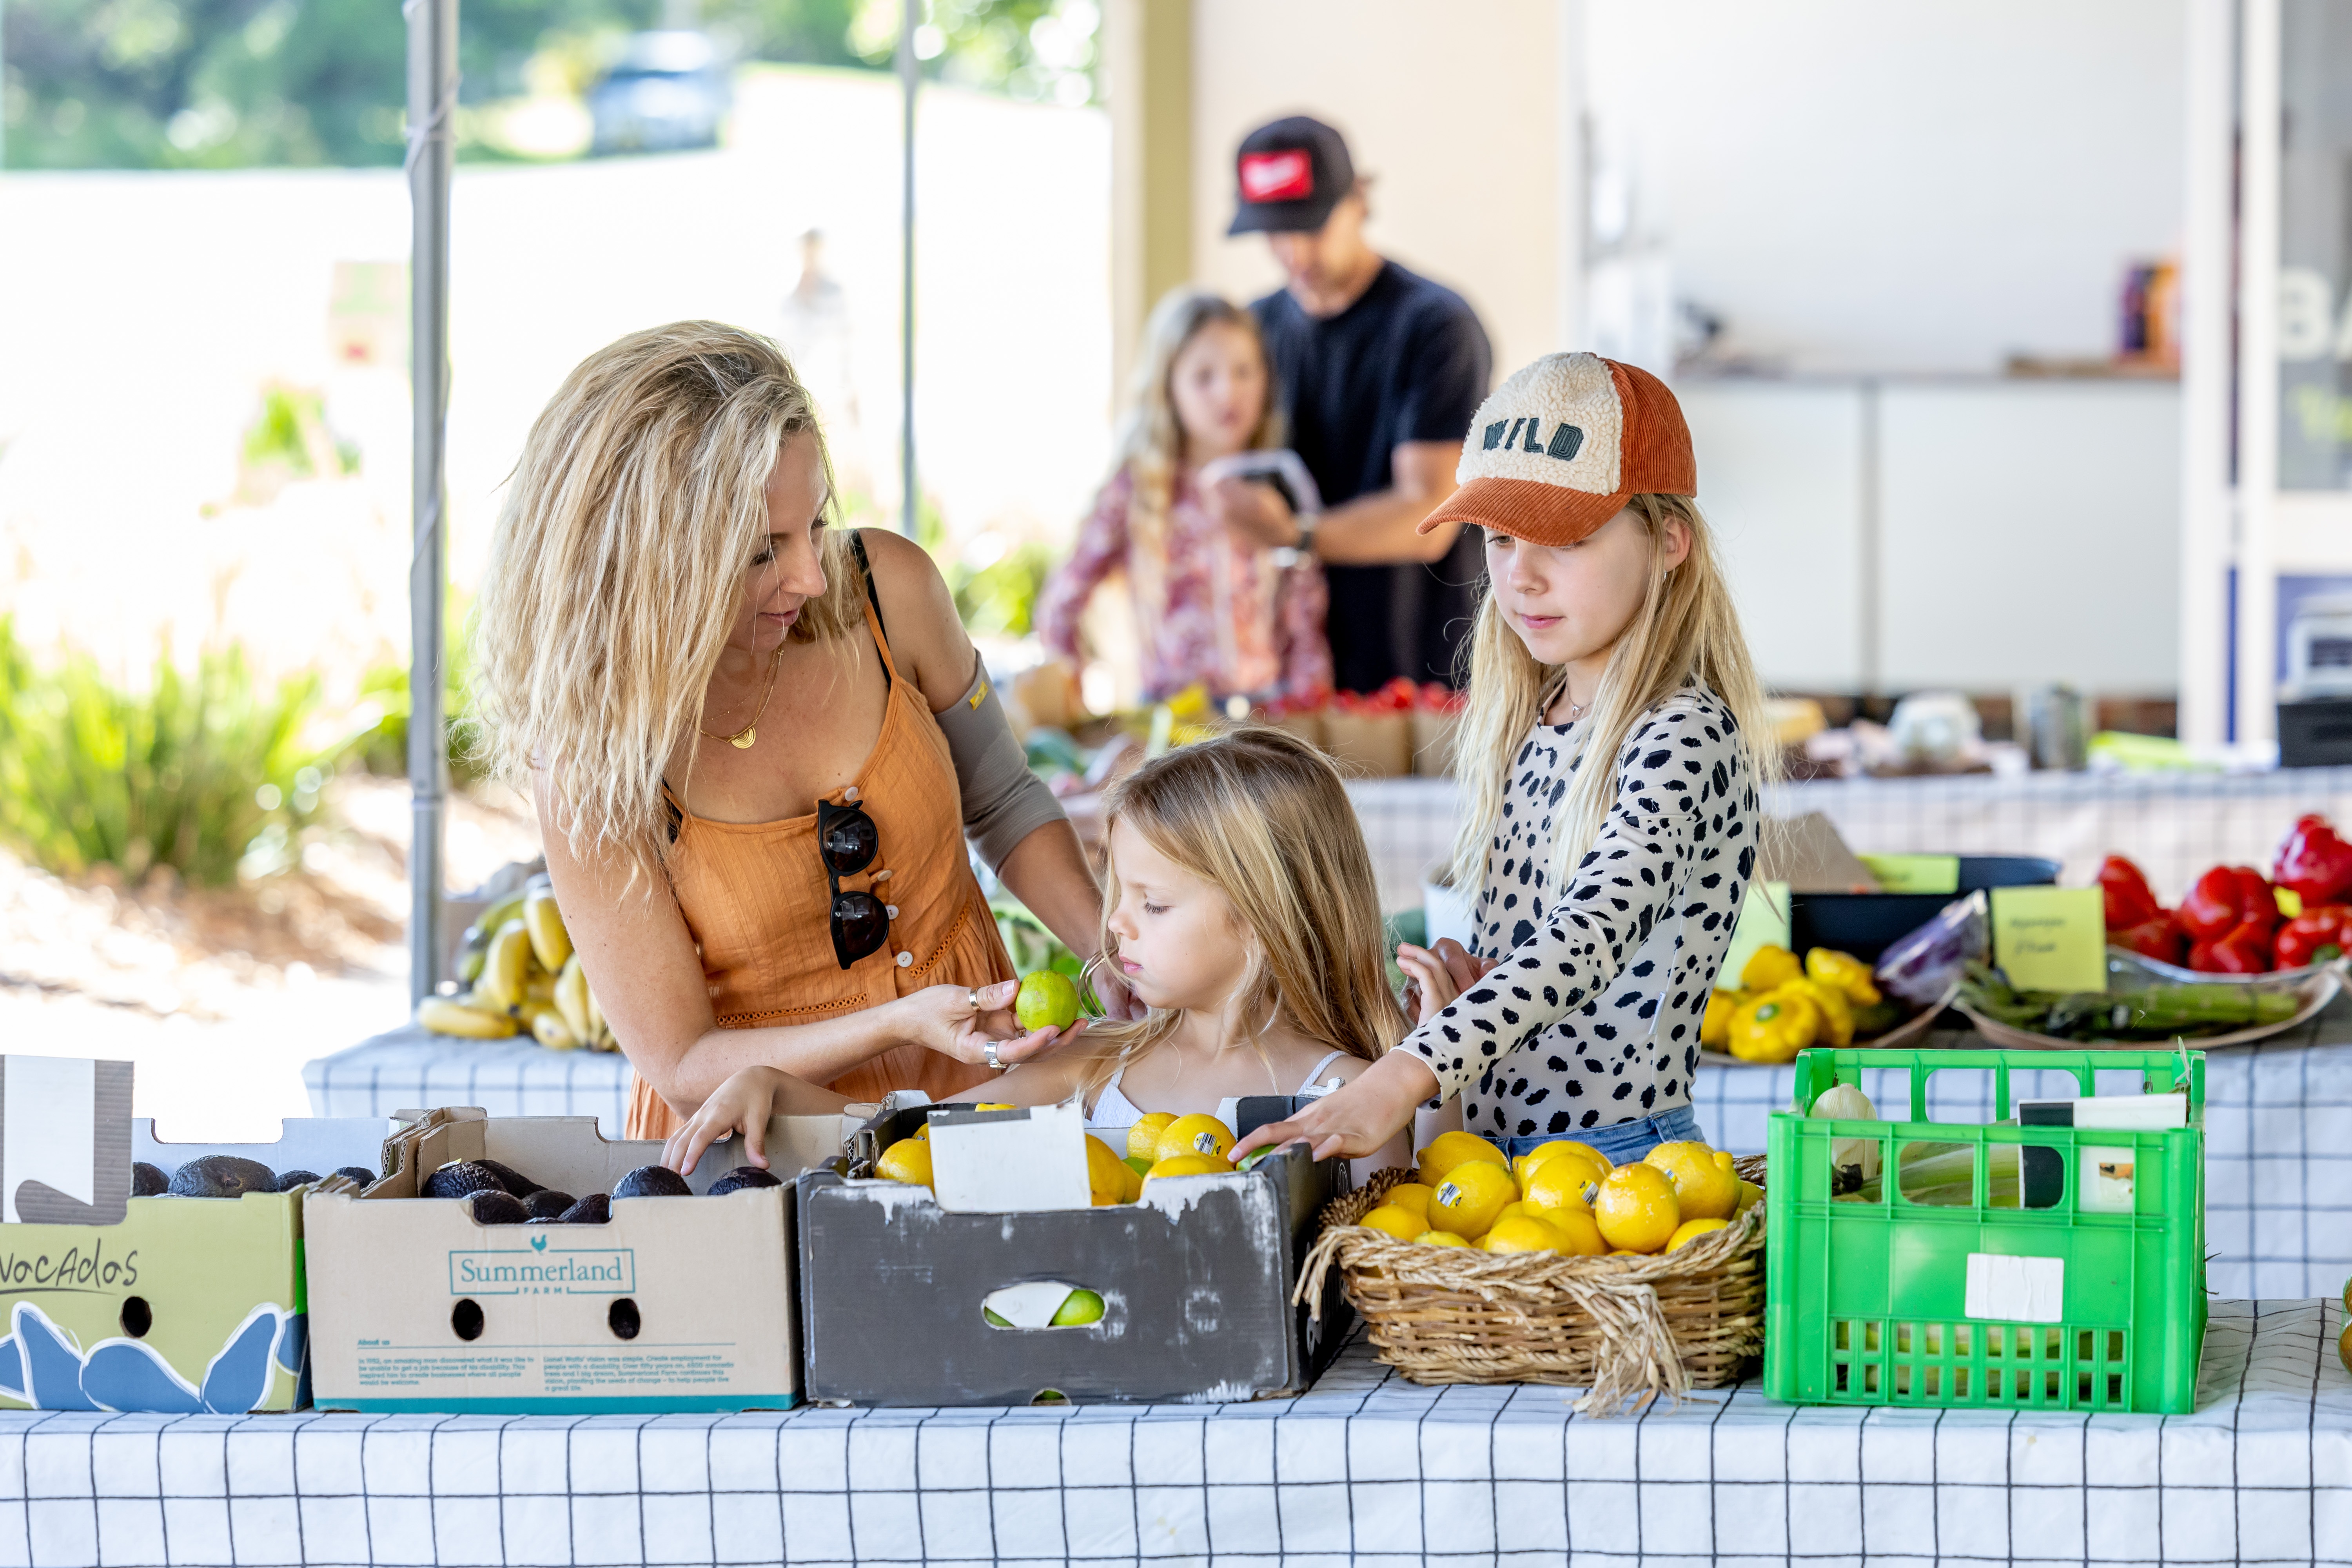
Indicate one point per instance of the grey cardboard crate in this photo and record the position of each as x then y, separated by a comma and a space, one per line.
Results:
1196, 1283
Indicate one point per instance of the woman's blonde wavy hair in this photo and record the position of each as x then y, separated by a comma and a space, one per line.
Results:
1686, 633
1262, 817
1149, 446
619, 565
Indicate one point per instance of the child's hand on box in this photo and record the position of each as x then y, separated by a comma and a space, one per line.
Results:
743, 1104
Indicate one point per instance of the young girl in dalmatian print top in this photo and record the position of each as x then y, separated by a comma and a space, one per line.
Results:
1609, 766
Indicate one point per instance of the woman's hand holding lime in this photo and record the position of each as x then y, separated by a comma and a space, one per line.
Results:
943, 1018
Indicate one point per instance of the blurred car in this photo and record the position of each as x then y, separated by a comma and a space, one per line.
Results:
667, 90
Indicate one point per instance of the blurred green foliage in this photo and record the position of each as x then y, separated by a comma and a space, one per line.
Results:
163, 84
997, 599
381, 744
291, 431
186, 774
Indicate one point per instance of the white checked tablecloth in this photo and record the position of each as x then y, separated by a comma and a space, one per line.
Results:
1366, 1468
410, 1068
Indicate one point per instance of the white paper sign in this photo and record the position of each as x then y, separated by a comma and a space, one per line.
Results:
51, 1129
2016, 1290
1010, 1162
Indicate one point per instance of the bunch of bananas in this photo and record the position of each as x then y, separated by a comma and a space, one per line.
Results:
525, 978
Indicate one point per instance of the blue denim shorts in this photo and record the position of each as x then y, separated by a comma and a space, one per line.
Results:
1624, 1141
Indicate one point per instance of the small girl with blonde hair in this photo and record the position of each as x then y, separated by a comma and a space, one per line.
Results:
1243, 913
1609, 760
1212, 611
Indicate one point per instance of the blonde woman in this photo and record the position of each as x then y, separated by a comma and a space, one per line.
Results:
756, 742
1244, 916
1609, 758
1213, 611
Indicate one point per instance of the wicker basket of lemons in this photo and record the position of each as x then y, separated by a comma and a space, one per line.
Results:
1631, 1282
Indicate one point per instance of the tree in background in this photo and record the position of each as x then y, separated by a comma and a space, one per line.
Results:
166, 84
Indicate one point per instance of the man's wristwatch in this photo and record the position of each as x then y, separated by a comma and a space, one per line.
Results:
1304, 550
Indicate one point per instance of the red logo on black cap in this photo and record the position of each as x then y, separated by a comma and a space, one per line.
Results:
1284, 176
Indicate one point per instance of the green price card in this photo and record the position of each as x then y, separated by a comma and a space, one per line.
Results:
1915, 873
2051, 938
1763, 922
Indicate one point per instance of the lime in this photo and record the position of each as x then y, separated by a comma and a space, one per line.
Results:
1047, 1001
1082, 1307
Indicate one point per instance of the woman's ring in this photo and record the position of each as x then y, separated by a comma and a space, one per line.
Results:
975, 998
988, 1049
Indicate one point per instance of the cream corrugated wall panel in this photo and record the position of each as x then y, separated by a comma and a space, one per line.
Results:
2030, 533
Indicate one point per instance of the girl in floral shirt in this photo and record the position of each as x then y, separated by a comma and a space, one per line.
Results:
1212, 610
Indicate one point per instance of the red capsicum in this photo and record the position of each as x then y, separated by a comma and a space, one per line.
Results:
2225, 899
2314, 863
2130, 900
2245, 950
2160, 938
2315, 936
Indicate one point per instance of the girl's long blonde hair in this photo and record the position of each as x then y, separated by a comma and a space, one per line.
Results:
1262, 817
1149, 447
619, 565
1686, 633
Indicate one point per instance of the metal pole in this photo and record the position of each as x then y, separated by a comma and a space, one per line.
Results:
909, 78
431, 106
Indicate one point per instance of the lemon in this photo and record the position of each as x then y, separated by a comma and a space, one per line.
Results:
1079, 1308
1394, 1221
1511, 1210
1579, 1235
1130, 1182
1635, 1208
1448, 1149
1045, 1001
1690, 1229
1750, 1195
1560, 1183
1522, 1233
1447, 1238
923, 1133
1189, 1165
1195, 1135
1704, 1184
1526, 1162
908, 1160
1143, 1138
2343, 1340
1410, 1197
1105, 1177
1470, 1197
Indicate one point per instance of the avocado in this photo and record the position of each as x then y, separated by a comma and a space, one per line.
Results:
289, 1180
222, 1177
359, 1174
514, 1180
743, 1176
460, 1177
547, 1203
651, 1181
594, 1209
492, 1206
147, 1181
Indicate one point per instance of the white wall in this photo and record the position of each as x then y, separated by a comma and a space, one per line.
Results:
1896, 185
1456, 112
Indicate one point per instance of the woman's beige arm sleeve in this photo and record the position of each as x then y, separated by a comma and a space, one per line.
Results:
1004, 802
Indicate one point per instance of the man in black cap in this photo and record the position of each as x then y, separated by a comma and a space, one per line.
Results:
1380, 370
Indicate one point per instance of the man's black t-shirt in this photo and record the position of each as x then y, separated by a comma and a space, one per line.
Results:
1407, 362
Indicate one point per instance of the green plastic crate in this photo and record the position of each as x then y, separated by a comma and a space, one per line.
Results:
1867, 1292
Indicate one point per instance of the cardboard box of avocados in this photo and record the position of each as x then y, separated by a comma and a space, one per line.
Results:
1195, 1277
170, 1304
674, 1304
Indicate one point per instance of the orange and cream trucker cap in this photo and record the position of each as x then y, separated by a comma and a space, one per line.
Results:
1560, 448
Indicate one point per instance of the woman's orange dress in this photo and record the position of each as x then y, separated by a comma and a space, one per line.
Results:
755, 897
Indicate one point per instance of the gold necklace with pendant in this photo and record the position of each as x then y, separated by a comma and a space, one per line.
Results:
745, 738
